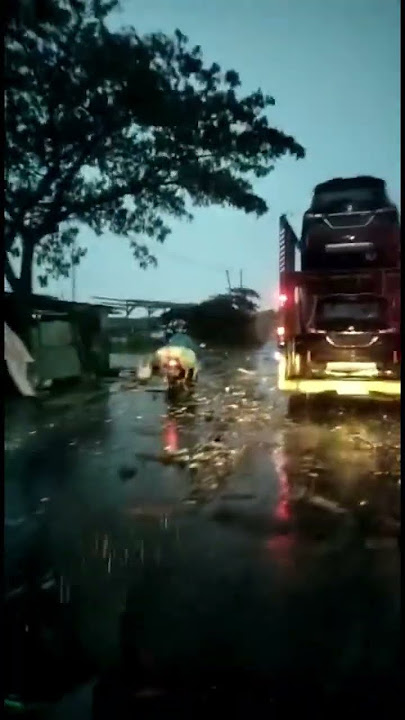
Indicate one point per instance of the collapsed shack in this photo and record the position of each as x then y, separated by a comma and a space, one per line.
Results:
67, 340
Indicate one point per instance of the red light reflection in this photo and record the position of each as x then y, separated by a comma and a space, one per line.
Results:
171, 437
281, 548
283, 510
281, 545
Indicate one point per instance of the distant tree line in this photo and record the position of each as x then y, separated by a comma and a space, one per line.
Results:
226, 319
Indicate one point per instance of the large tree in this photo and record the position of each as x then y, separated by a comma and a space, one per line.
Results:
119, 132
226, 318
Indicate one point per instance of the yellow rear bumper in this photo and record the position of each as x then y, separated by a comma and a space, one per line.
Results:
347, 387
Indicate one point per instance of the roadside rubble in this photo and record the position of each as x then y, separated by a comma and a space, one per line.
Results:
225, 423
245, 413
208, 464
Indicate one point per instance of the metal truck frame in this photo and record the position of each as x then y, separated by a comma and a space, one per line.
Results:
290, 377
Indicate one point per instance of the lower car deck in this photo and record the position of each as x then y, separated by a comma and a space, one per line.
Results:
356, 387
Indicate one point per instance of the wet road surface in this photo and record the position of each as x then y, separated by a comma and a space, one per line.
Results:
217, 533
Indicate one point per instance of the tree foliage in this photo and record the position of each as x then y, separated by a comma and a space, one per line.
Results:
228, 318
120, 133
31, 13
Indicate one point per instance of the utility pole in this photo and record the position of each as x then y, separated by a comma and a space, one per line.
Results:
229, 280
73, 274
241, 279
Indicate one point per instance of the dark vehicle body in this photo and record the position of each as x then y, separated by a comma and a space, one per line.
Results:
339, 329
351, 223
350, 335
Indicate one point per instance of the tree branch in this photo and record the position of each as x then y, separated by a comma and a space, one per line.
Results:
9, 273
109, 196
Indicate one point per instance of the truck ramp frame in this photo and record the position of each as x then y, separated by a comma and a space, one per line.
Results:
340, 386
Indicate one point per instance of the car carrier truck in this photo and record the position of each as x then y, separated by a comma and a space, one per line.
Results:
338, 330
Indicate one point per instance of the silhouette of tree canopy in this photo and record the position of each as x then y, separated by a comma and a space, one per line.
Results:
229, 318
120, 133
32, 13
245, 299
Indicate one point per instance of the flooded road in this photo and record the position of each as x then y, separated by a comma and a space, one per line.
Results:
218, 533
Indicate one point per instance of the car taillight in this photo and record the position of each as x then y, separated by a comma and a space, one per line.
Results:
280, 332
282, 299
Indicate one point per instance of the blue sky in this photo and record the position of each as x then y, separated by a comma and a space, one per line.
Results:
333, 67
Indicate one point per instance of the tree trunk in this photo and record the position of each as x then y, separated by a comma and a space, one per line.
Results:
10, 274
22, 289
21, 286
25, 281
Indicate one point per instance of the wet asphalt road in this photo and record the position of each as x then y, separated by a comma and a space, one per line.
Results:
218, 532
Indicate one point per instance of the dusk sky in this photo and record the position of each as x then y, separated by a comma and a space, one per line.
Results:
333, 67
